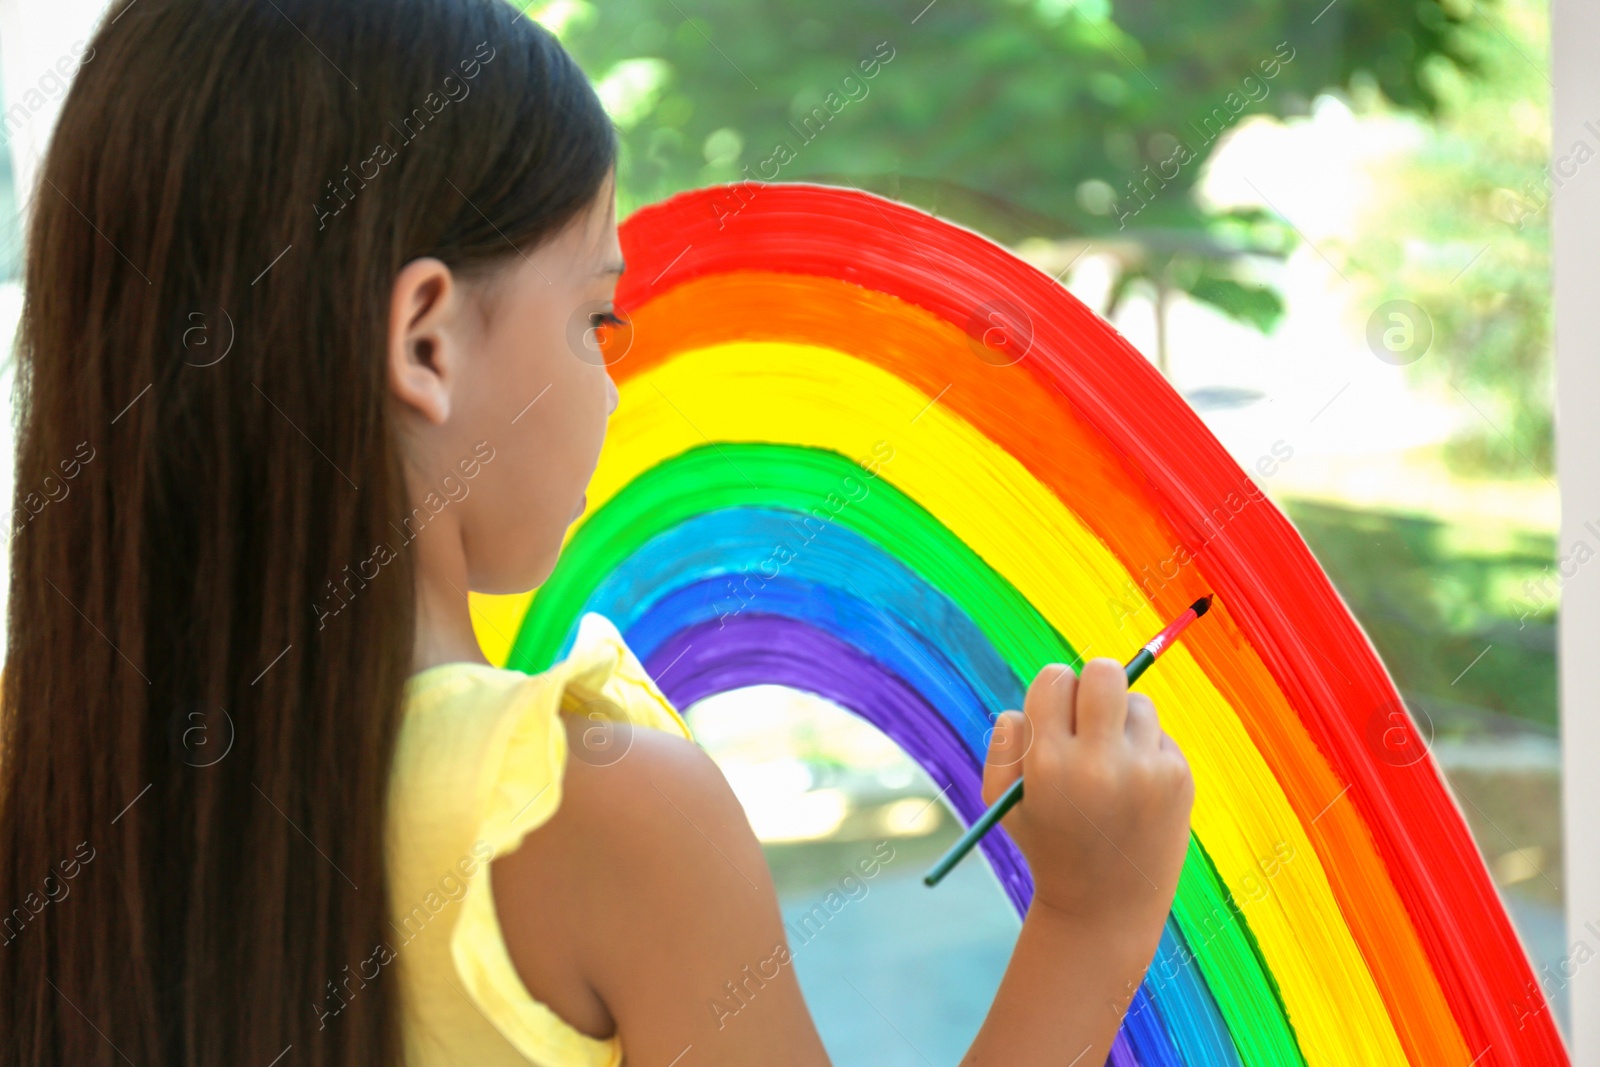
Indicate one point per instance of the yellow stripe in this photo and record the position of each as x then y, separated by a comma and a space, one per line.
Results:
495, 618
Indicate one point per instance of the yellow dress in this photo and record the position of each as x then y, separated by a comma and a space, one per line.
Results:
478, 765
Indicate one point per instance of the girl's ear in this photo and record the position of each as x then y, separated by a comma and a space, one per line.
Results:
424, 313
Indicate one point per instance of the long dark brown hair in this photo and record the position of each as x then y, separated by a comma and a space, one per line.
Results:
194, 760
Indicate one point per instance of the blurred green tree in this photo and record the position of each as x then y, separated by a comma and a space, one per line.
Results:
1061, 119
1461, 228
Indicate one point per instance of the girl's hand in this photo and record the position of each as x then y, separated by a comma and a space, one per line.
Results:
1104, 819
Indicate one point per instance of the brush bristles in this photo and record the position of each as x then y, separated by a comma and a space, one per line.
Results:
1201, 606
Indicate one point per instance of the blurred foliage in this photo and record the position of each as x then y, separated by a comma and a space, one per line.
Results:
1461, 227
1017, 118
1524, 826
1431, 595
10, 220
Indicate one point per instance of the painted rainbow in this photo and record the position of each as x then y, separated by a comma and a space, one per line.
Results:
869, 454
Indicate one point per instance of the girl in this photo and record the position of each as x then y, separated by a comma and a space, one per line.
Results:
303, 360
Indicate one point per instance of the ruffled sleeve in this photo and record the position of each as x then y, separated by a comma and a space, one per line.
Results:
517, 788
523, 767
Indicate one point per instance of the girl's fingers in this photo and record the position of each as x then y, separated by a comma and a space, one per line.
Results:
1049, 703
1169, 748
1144, 725
1008, 743
1102, 701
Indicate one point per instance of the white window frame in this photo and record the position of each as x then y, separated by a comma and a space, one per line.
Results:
1575, 218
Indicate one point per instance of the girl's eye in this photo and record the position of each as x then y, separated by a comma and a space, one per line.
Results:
606, 318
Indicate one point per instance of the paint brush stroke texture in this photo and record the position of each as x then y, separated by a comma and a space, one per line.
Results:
1333, 909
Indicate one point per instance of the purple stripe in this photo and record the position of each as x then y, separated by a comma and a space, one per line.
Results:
755, 649
1122, 1051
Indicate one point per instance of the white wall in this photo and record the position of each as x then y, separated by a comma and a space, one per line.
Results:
37, 41
1575, 26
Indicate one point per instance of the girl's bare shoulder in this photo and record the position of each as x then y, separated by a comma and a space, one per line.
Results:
645, 906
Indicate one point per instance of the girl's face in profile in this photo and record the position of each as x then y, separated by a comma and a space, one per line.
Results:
505, 396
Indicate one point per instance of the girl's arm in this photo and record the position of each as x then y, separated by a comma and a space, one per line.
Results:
648, 890
645, 908
1104, 824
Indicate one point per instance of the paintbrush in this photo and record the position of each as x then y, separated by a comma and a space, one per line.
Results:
1013, 794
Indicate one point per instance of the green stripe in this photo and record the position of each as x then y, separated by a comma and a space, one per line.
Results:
820, 486
1227, 953
712, 477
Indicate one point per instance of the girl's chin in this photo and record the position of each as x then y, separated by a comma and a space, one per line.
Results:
583, 502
